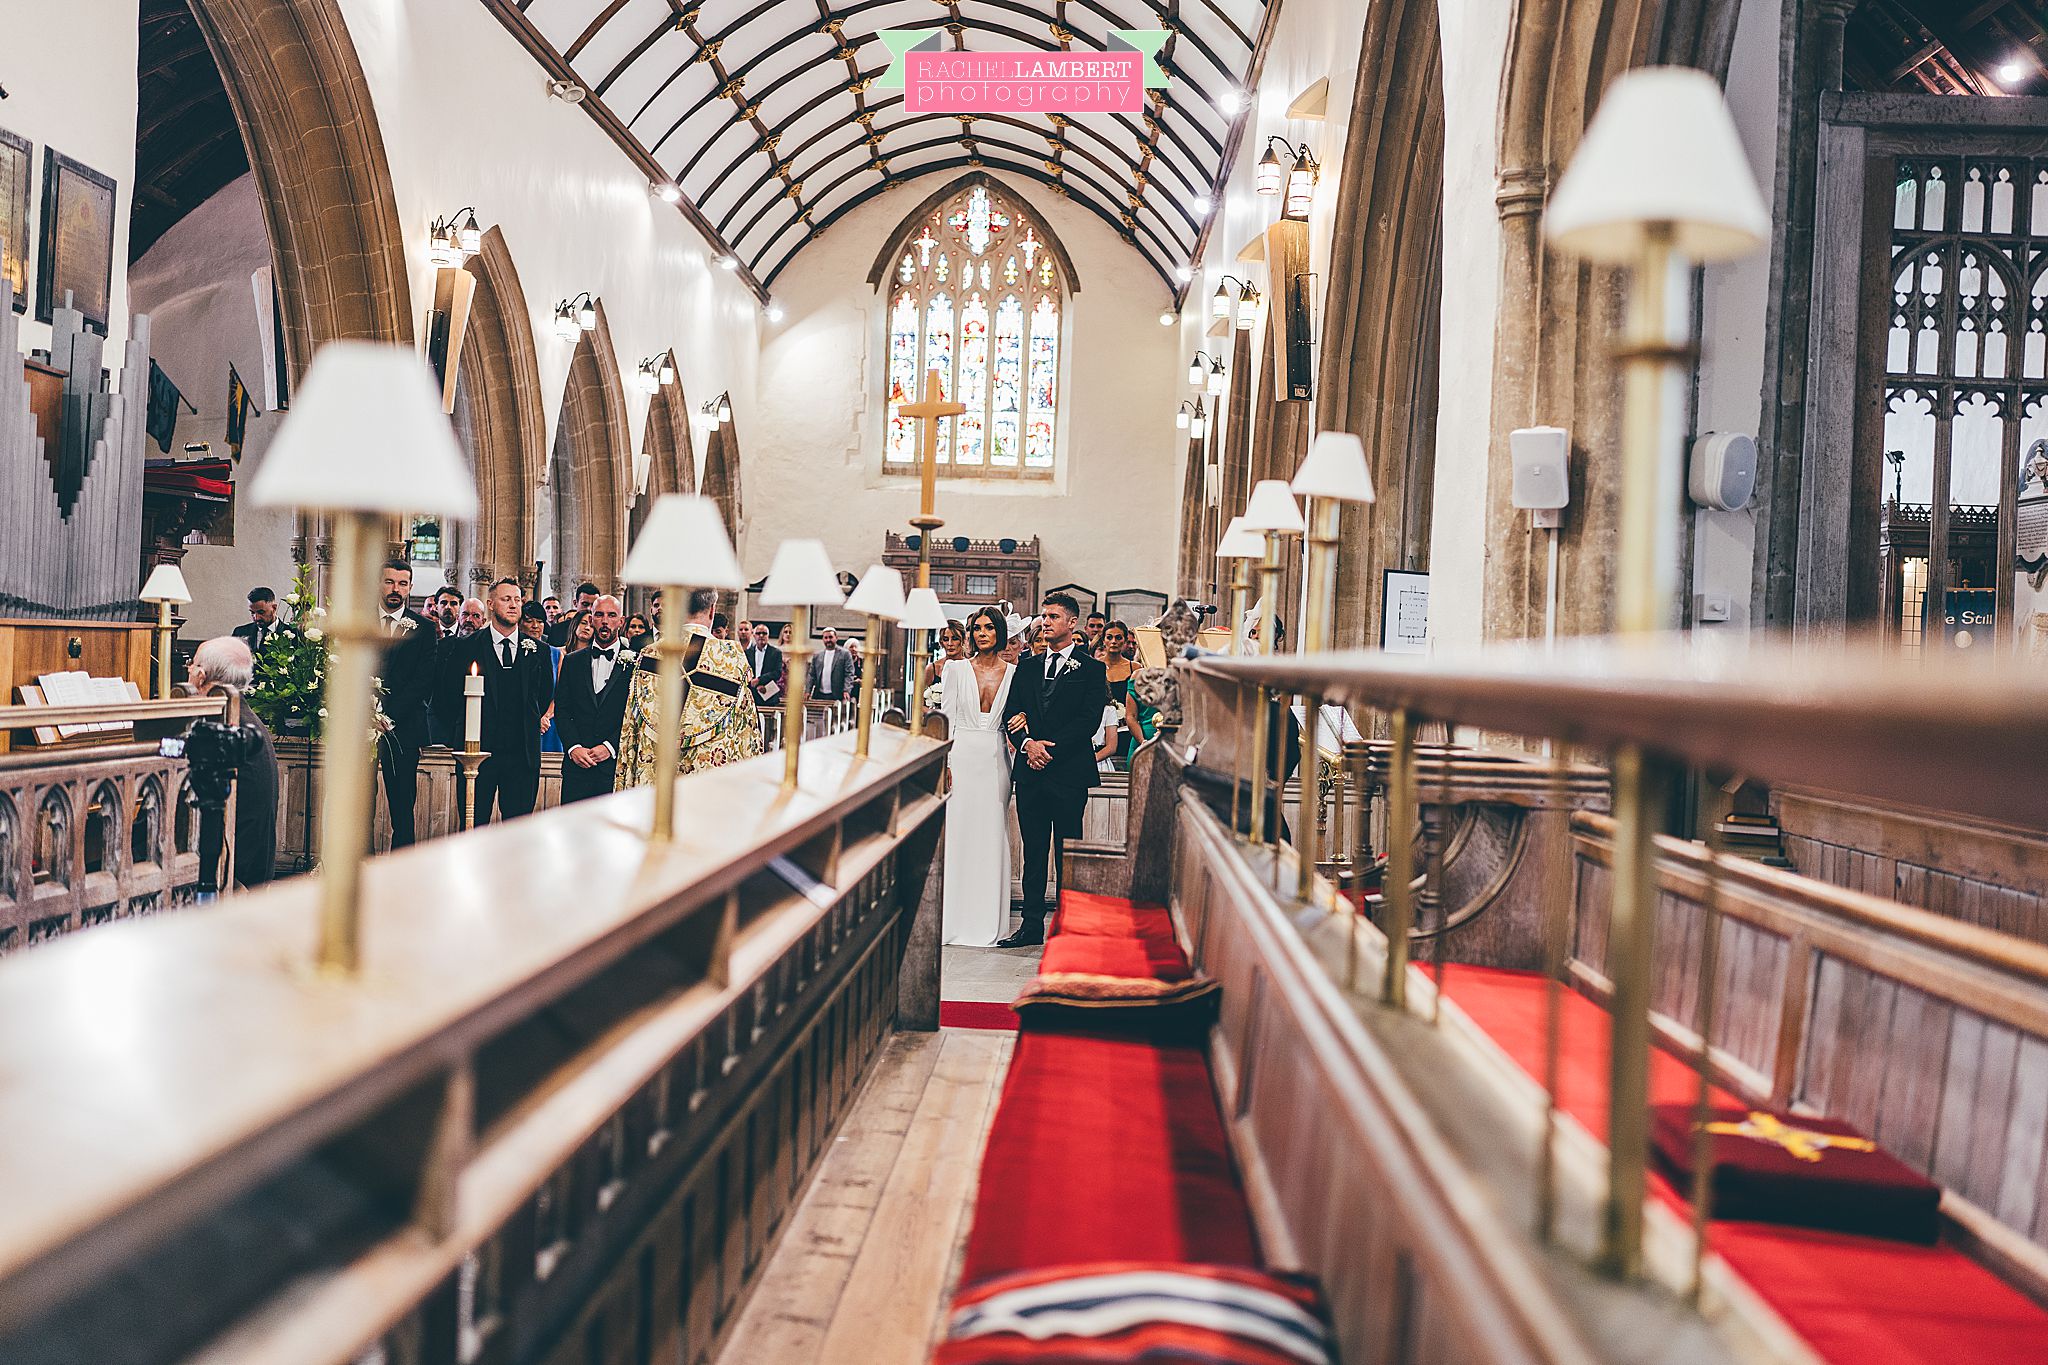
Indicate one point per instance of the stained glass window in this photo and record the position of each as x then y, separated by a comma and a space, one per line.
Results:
978, 296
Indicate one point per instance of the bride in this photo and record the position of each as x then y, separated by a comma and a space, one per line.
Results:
973, 692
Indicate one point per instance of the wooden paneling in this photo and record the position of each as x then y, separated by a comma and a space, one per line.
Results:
105, 649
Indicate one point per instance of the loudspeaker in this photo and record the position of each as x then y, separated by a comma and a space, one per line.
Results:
1723, 470
1541, 457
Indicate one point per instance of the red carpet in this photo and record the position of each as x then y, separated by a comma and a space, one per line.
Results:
1855, 1299
990, 1014
1082, 914
1106, 1149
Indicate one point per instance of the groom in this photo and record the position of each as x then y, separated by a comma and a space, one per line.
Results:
1055, 708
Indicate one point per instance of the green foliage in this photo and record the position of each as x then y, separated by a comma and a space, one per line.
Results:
291, 668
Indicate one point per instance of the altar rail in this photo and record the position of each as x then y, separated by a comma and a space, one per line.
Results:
559, 1116
94, 833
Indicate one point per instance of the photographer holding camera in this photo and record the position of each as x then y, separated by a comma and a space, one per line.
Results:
240, 756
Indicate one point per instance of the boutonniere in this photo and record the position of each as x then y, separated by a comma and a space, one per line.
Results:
629, 657
406, 624
528, 647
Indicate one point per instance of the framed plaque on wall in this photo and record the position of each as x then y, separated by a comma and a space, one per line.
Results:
16, 163
78, 240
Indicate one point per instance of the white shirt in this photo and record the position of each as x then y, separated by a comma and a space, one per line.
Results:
498, 639
601, 661
1065, 658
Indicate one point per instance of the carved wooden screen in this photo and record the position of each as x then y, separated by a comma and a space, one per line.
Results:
1966, 402
977, 293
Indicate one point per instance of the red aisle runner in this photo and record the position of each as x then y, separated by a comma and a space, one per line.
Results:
1858, 1300
986, 1014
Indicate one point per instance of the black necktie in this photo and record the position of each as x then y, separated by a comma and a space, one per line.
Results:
505, 652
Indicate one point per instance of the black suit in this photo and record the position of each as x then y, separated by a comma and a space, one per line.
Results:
256, 783
588, 718
515, 699
1065, 711
246, 633
452, 658
409, 675
766, 662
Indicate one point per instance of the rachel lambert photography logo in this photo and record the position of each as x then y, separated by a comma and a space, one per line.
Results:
937, 80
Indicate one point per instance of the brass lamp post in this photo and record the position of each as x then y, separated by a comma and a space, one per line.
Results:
166, 585
879, 597
366, 441
800, 578
1659, 183
683, 545
1240, 547
1334, 473
1271, 513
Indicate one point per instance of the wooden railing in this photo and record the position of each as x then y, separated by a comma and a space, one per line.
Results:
559, 1115
91, 833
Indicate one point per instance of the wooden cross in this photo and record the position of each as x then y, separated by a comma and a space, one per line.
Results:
934, 406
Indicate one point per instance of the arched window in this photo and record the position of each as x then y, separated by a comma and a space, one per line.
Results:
976, 291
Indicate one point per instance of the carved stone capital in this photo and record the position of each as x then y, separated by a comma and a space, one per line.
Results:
1522, 192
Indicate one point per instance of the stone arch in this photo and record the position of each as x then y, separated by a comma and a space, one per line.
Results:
501, 419
315, 150
1382, 314
720, 481
665, 446
590, 467
1556, 318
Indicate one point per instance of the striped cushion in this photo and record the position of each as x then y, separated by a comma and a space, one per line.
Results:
1138, 1313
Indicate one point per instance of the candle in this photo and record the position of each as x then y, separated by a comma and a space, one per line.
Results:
472, 710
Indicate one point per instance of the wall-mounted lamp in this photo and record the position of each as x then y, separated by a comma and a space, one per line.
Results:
1296, 172
1247, 302
728, 263
1183, 415
654, 373
575, 316
1167, 317
1198, 422
454, 239
1198, 369
1216, 376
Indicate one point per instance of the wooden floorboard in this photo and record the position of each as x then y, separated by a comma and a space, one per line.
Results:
866, 1262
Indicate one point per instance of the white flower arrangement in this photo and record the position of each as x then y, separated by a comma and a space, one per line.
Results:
934, 696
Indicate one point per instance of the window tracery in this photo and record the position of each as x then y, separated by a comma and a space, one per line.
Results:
976, 295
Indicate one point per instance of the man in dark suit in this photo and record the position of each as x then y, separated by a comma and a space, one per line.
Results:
409, 675
829, 675
590, 705
765, 661
262, 623
1055, 707
519, 686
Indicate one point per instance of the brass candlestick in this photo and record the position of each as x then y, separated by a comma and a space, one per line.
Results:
668, 729
166, 631
1397, 890
1315, 638
347, 772
467, 760
871, 664
1262, 735
793, 698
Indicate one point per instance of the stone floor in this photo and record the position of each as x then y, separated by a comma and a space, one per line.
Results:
985, 973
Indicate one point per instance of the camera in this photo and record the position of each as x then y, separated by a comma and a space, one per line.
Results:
213, 751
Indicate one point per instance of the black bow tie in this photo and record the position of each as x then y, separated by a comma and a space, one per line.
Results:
608, 654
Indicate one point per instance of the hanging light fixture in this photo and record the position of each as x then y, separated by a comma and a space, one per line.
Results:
667, 372
454, 239
728, 263
647, 378
1216, 376
1219, 302
1247, 308
1301, 185
667, 191
1271, 169
725, 409
566, 326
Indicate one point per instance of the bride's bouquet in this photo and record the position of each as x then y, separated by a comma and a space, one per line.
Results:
934, 696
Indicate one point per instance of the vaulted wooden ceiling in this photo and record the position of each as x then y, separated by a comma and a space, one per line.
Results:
763, 113
187, 143
1949, 47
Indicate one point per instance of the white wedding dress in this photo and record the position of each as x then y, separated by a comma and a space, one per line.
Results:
977, 904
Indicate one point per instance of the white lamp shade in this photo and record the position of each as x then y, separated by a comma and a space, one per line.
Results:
880, 593
1273, 508
1238, 543
683, 545
921, 611
366, 433
1661, 151
1335, 468
166, 584
801, 576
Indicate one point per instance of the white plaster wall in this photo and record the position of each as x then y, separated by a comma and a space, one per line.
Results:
1733, 298
1475, 40
71, 86
466, 121
194, 284
1109, 520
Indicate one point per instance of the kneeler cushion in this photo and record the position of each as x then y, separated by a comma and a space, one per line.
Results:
1106, 1148
1141, 984
1138, 1313
1806, 1172
1086, 914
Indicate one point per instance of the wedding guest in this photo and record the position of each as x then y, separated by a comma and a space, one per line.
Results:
518, 690
721, 626
411, 645
262, 622
591, 691
225, 661
857, 664
743, 633
765, 662
720, 722
1117, 669
586, 595
551, 738
447, 609
552, 605
473, 616
952, 646
782, 639
638, 634
1092, 640
830, 672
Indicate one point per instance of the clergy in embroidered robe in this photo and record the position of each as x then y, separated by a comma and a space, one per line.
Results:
720, 722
